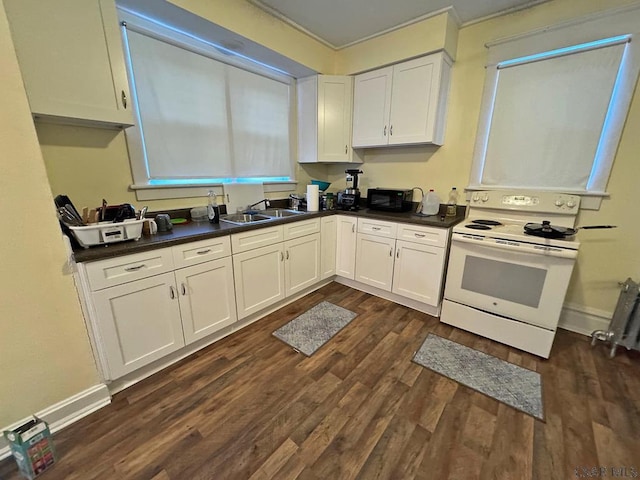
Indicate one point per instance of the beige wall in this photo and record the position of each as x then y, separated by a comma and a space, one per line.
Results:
606, 256
245, 19
429, 35
46, 355
74, 155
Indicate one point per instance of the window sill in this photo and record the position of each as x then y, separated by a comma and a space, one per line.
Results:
164, 192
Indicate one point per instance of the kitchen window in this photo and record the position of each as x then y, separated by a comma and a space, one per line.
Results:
202, 118
554, 107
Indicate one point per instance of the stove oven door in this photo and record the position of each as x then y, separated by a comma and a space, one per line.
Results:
516, 280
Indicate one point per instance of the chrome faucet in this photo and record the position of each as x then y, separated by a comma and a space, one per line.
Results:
266, 201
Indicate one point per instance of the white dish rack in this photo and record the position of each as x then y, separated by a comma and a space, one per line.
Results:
108, 232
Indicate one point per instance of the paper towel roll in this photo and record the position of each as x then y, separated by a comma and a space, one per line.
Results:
313, 198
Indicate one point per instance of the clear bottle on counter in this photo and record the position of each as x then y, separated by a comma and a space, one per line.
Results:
452, 203
213, 210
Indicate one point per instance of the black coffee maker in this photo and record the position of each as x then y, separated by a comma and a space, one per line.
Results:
349, 198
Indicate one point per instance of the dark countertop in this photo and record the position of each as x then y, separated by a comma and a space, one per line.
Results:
195, 231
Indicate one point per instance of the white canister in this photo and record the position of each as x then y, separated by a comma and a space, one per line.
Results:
313, 198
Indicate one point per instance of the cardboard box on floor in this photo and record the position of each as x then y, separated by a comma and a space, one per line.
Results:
32, 447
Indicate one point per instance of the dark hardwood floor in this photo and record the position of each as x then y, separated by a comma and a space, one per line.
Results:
249, 407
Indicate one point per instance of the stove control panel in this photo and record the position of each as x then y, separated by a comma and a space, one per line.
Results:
546, 202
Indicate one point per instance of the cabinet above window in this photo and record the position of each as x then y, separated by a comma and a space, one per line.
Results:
71, 59
403, 104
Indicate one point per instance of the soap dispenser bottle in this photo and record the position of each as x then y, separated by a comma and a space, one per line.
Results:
213, 210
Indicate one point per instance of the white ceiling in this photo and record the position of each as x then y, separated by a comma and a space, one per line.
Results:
339, 23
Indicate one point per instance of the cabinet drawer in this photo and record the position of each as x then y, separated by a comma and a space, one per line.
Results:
119, 270
436, 237
202, 251
260, 237
301, 228
377, 227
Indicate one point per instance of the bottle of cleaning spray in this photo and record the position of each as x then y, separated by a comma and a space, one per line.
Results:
213, 210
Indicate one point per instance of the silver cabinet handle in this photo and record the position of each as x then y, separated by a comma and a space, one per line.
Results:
172, 292
345, 149
391, 130
420, 235
287, 254
281, 257
353, 228
204, 252
384, 133
398, 253
375, 228
135, 269
184, 289
124, 99
391, 252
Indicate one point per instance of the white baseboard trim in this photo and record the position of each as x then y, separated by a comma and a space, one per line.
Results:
66, 412
407, 302
584, 320
140, 374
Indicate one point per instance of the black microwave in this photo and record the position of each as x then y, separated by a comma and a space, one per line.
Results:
389, 199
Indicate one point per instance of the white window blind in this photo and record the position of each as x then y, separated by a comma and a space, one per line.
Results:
548, 119
260, 124
183, 112
203, 120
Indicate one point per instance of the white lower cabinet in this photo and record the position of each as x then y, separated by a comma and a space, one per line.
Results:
374, 260
404, 259
207, 300
259, 278
268, 274
418, 270
145, 306
138, 322
302, 263
328, 242
346, 246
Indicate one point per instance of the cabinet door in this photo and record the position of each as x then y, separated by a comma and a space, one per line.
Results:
328, 240
335, 100
415, 95
207, 301
72, 61
418, 272
139, 322
371, 106
259, 278
346, 246
302, 263
374, 261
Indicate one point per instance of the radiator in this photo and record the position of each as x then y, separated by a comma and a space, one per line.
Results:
624, 329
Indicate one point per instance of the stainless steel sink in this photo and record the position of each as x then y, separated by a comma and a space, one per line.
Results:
280, 213
244, 218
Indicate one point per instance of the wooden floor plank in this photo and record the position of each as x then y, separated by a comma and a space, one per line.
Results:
250, 407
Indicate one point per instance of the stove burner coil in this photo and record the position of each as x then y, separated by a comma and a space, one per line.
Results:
492, 223
478, 226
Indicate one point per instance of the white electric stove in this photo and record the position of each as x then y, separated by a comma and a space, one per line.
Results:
503, 283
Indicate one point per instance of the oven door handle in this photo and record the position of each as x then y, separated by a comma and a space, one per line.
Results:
516, 247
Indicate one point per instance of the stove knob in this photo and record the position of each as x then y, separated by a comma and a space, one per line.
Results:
571, 203
485, 197
476, 197
559, 202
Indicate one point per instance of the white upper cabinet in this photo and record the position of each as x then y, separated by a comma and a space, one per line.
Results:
72, 61
324, 119
402, 105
